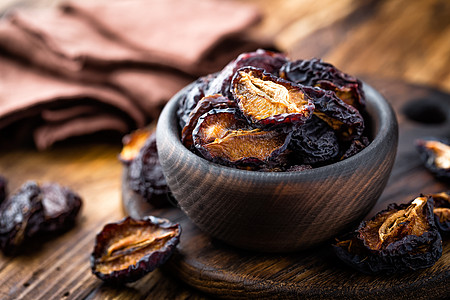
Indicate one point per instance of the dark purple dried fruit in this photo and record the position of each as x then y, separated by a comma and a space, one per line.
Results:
61, 207
129, 249
221, 136
203, 106
21, 216
346, 120
132, 144
314, 142
3, 184
435, 154
192, 94
36, 209
269, 101
399, 239
355, 147
315, 72
145, 175
442, 211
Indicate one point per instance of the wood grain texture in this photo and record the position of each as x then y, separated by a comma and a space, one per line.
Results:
278, 211
402, 40
224, 271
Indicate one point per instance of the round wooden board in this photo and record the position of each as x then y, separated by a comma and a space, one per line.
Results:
227, 272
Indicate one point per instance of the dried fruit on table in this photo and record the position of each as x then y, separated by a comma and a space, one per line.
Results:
203, 106
345, 120
21, 216
223, 137
315, 72
314, 143
442, 211
435, 154
269, 101
3, 184
127, 250
145, 175
132, 144
401, 238
61, 206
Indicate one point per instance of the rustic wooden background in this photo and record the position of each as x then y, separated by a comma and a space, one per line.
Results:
400, 40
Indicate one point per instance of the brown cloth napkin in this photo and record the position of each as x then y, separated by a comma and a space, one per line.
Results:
91, 66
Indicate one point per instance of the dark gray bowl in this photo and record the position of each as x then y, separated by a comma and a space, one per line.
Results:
279, 211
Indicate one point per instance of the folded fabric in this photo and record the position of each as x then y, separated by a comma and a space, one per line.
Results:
85, 67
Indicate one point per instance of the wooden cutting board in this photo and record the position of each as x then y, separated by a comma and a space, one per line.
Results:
224, 271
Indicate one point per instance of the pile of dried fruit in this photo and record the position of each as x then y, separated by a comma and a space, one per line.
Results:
401, 238
435, 154
35, 209
265, 112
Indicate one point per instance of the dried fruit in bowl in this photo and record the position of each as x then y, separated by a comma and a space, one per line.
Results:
401, 238
127, 250
435, 154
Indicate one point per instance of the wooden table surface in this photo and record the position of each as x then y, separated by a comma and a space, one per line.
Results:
400, 40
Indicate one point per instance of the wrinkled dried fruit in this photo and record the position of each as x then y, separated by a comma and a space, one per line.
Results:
127, 250
191, 96
145, 175
132, 144
355, 147
442, 211
315, 72
314, 142
343, 118
435, 154
61, 207
203, 106
267, 100
36, 209
21, 216
3, 184
221, 136
401, 238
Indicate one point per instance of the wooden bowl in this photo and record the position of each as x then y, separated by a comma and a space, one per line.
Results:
279, 211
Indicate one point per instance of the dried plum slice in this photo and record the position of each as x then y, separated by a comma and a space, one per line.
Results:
314, 142
399, 239
132, 144
145, 175
203, 106
268, 101
315, 72
355, 146
222, 137
127, 250
435, 154
3, 191
346, 120
21, 216
61, 206
442, 211
269, 61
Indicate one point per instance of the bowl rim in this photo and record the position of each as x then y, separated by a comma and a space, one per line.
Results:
379, 110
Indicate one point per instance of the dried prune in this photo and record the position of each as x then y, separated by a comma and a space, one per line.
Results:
145, 175
3, 184
127, 250
435, 154
61, 207
132, 144
399, 239
269, 61
203, 106
36, 209
314, 142
221, 136
343, 118
355, 147
192, 94
21, 216
315, 72
442, 211
268, 100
